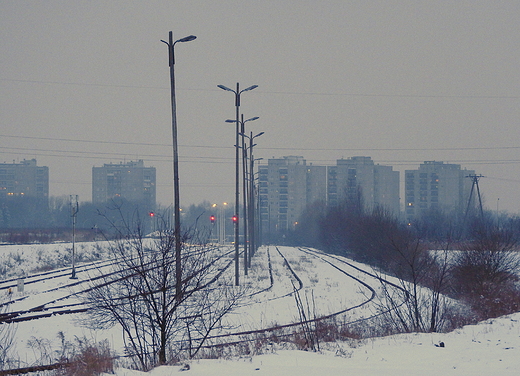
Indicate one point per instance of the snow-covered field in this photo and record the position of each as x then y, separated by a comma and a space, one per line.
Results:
489, 348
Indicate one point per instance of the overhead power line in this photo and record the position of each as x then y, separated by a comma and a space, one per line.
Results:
260, 147
211, 159
372, 95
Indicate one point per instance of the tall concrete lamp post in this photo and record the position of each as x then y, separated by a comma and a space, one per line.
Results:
245, 210
237, 93
252, 218
176, 200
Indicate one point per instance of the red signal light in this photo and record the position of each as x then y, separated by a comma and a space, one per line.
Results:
212, 218
235, 219
152, 214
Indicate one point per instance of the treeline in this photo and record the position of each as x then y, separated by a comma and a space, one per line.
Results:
474, 259
28, 220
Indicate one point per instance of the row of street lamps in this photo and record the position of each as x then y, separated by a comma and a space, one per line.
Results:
248, 189
248, 221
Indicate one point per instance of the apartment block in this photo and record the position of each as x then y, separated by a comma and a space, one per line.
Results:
282, 193
359, 181
436, 185
131, 181
316, 178
24, 179
287, 185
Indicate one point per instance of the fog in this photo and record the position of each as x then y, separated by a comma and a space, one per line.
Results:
87, 83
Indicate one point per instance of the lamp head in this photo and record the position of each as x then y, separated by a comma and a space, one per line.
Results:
224, 87
189, 38
251, 88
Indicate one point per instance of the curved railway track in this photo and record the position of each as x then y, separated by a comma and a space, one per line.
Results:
274, 328
282, 264
341, 265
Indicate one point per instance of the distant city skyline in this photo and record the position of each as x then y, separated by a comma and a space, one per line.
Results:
434, 184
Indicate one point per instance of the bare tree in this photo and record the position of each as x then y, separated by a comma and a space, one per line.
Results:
140, 296
417, 303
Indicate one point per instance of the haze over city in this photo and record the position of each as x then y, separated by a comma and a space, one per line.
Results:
87, 83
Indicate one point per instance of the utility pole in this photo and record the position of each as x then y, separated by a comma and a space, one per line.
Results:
475, 179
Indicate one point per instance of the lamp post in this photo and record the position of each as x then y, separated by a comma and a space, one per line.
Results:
254, 227
237, 93
176, 200
251, 210
245, 189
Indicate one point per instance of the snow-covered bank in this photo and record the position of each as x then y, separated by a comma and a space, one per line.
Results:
488, 349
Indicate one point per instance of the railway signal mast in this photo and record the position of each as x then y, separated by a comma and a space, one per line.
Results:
74, 208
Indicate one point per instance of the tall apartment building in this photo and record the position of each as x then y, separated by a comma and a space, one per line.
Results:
287, 185
360, 181
282, 193
316, 184
436, 185
131, 181
24, 179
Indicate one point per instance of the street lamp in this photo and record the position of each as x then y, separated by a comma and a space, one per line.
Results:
237, 93
255, 214
176, 200
251, 210
244, 189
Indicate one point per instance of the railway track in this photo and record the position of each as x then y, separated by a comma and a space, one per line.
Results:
232, 338
282, 265
48, 308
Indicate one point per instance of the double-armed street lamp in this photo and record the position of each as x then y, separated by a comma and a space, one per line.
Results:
244, 187
176, 199
251, 198
237, 93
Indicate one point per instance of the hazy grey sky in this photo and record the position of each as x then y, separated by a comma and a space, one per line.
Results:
86, 83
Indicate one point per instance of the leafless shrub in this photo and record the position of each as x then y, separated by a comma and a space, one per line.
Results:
42, 350
87, 358
485, 271
307, 338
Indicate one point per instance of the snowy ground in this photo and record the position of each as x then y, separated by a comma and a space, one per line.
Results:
489, 348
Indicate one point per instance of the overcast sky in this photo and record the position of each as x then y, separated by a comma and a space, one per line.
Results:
83, 83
